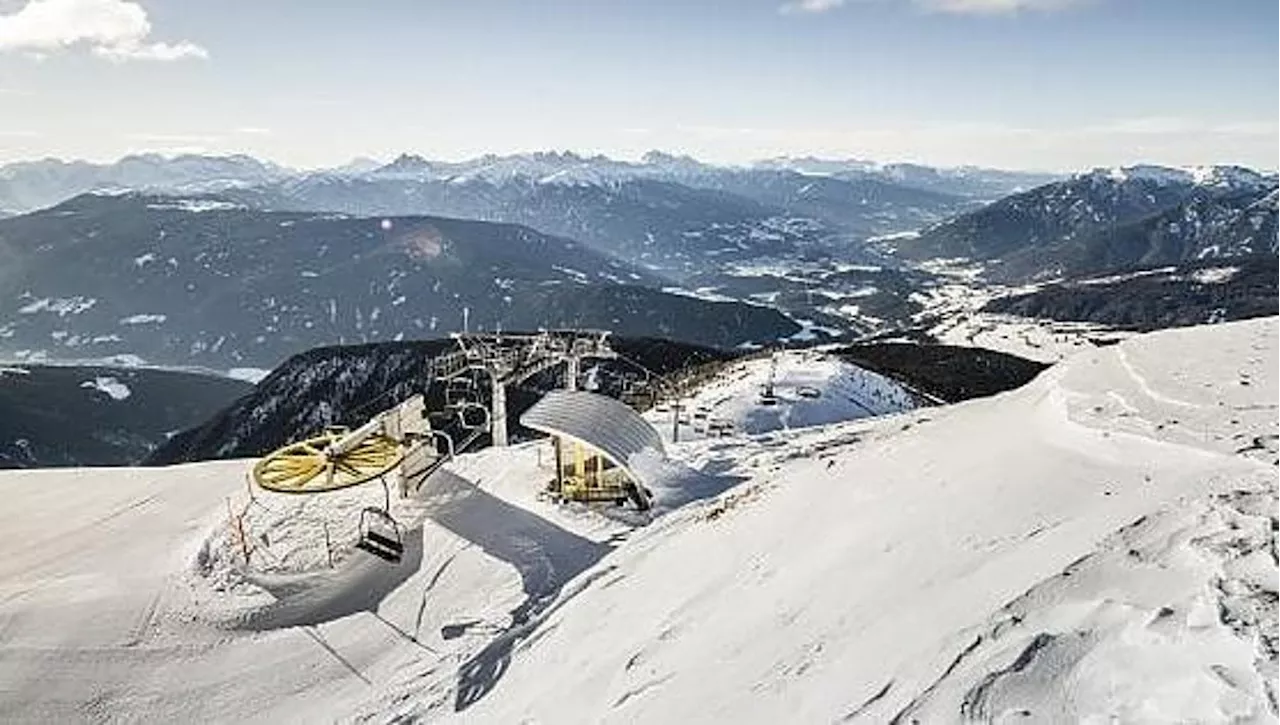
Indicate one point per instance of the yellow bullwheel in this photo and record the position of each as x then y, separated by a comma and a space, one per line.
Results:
320, 464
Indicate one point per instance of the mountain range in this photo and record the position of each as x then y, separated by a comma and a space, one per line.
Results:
232, 262
670, 221
673, 215
670, 228
204, 281
29, 185
1110, 219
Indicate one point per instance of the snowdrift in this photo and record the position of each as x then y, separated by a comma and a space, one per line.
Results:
1099, 545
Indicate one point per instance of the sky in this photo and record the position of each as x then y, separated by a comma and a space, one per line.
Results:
1031, 84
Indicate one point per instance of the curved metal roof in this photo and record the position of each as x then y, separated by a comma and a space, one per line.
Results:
603, 423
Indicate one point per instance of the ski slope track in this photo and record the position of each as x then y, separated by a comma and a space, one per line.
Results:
1098, 546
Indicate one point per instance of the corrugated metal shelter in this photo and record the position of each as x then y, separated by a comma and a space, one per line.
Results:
595, 437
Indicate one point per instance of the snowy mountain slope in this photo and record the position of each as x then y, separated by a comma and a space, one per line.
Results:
809, 388
1052, 219
950, 373
126, 600
1163, 651
845, 582
1192, 293
1207, 225
863, 206
972, 563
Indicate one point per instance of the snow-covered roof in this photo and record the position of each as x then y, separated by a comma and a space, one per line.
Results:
603, 423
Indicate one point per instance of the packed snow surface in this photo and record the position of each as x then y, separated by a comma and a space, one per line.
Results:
809, 389
1098, 546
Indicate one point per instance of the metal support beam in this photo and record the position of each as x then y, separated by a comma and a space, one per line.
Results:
571, 370
498, 420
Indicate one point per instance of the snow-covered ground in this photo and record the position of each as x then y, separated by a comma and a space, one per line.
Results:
958, 298
110, 385
1098, 546
1047, 341
810, 389
123, 596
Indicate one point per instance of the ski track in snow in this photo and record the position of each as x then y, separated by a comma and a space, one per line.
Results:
1146, 387
1082, 549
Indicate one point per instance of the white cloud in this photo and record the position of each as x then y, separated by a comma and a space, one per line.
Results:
117, 30
957, 7
253, 131
810, 6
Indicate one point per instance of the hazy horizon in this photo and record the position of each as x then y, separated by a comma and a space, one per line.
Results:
1052, 85
637, 159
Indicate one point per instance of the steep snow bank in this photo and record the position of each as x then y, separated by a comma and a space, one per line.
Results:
1066, 552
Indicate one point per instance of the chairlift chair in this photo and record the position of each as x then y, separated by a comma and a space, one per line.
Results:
380, 535
478, 420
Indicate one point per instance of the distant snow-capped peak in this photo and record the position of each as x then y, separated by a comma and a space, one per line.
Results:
544, 167
1235, 177
1222, 176
1144, 172
813, 166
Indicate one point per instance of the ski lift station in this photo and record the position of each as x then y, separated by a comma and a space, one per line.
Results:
595, 438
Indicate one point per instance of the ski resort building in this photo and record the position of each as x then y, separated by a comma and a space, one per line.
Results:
595, 439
